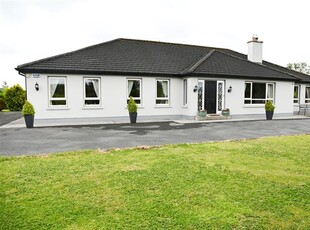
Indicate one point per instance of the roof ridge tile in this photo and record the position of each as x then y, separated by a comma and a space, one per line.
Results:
191, 68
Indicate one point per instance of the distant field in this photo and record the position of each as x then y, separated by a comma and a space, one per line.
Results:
254, 184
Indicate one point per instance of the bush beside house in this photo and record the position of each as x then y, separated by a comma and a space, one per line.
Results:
2, 104
15, 97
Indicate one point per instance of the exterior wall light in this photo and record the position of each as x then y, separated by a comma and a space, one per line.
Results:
229, 89
195, 88
36, 86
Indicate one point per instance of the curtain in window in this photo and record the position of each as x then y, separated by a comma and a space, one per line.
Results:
307, 92
54, 83
130, 85
96, 86
270, 91
165, 88
92, 87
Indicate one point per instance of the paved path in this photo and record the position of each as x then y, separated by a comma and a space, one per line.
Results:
7, 117
22, 141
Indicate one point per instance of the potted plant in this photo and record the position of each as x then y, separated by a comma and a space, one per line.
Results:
132, 109
202, 113
269, 107
28, 112
226, 112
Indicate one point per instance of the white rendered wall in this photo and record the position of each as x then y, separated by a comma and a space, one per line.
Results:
192, 102
235, 99
113, 97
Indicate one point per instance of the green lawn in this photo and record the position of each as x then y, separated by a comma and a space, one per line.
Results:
254, 184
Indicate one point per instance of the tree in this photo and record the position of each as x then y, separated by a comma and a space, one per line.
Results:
14, 97
2, 89
301, 67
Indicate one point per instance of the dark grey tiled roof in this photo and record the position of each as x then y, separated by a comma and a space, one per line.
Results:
137, 57
225, 64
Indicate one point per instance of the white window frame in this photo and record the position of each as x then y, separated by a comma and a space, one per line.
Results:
296, 100
266, 93
168, 93
185, 90
307, 99
135, 98
92, 98
50, 98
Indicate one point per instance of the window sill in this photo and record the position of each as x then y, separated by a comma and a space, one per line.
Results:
139, 107
92, 107
185, 106
162, 106
58, 108
254, 106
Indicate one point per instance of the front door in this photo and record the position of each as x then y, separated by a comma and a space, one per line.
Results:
211, 96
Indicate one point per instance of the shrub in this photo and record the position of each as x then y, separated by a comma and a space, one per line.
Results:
2, 105
269, 106
132, 106
28, 109
14, 98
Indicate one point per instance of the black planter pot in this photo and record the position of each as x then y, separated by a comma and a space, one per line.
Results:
133, 117
269, 115
29, 120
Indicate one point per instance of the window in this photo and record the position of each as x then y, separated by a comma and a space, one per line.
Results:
296, 94
162, 96
91, 91
57, 91
134, 90
258, 93
185, 92
307, 98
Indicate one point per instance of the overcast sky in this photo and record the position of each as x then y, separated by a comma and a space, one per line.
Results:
35, 29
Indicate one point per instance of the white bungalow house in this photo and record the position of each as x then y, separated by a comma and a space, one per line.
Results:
163, 78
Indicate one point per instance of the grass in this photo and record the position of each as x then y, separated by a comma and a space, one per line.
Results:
253, 184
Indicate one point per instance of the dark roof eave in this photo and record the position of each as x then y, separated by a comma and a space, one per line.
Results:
117, 73
92, 72
240, 77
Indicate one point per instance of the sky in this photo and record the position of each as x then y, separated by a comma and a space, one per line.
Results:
36, 29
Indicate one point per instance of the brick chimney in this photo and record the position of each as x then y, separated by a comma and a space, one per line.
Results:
255, 50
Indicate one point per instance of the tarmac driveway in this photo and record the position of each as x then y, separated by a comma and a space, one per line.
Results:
7, 117
22, 141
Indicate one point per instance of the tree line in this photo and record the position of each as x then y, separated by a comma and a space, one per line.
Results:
301, 67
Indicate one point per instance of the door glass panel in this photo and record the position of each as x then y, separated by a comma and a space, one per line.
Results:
220, 96
200, 95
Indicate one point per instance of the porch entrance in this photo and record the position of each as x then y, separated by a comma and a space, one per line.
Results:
211, 96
